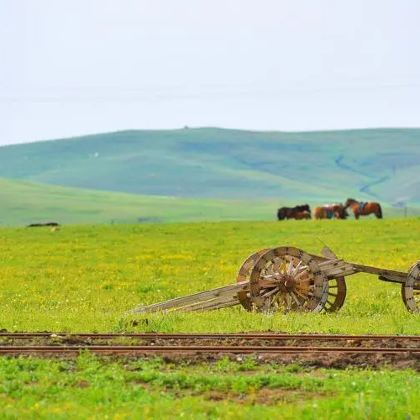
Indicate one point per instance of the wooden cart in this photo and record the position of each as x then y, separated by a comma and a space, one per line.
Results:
290, 279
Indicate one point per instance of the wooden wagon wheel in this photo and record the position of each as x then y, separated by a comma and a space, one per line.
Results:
410, 290
337, 291
287, 279
244, 274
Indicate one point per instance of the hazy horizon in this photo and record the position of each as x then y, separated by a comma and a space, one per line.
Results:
88, 67
206, 127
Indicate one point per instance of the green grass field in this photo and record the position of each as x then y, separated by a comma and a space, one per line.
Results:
84, 278
377, 164
91, 388
25, 202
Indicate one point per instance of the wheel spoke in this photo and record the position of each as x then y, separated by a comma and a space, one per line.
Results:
282, 266
301, 274
296, 270
271, 292
301, 295
296, 299
289, 301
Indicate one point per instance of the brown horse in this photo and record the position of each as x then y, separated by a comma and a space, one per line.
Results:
337, 211
302, 215
364, 209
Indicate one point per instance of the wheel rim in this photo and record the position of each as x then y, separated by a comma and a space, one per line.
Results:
336, 295
244, 274
411, 289
287, 279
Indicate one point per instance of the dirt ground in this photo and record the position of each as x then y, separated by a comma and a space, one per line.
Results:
330, 359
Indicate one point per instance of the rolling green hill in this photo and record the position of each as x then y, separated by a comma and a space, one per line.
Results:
24, 202
380, 164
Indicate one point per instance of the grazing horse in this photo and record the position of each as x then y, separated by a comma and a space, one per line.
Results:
364, 209
302, 215
330, 211
290, 212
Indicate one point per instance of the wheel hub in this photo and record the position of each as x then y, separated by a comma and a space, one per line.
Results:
286, 283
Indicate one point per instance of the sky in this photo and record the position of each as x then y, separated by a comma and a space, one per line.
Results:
73, 67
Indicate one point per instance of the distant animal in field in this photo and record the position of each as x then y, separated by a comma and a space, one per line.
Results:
364, 208
51, 224
291, 212
331, 211
302, 215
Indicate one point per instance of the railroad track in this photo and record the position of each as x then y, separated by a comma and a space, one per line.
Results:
146, 350
217, 336
188, 344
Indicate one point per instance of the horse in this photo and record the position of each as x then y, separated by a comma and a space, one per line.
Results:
330, 211
340, 211
290, 212
364, 209
302, 215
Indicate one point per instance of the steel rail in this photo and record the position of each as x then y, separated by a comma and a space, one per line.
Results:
220, 336
17, 350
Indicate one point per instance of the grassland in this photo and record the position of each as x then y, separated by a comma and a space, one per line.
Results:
83, 278
92, 388
25, 202
380, 164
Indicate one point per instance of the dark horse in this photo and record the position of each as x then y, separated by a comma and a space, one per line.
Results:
292, 212
363, 209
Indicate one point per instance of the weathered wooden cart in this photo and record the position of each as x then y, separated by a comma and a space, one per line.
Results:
290, 279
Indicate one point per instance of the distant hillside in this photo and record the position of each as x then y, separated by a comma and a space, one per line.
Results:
23, 202
380, 164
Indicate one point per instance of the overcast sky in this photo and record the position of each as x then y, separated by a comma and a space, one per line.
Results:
84, 66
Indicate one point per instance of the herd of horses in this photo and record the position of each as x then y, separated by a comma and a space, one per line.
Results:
331, 211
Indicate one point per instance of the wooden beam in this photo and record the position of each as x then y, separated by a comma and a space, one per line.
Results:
219, 293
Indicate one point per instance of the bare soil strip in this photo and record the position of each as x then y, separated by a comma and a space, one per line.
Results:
314, 349
261, 335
